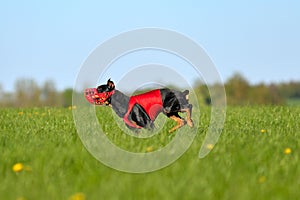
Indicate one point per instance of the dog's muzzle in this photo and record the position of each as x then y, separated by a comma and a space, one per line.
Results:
92, 96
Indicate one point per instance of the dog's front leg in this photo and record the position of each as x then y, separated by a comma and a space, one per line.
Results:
126, 119
130, 123
188, 111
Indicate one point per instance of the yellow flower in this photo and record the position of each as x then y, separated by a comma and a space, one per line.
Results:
149, 149
18, 167
72, 107
287, 151
21, 198
263, 131
20, 113
77, 196
262, 179
210, 146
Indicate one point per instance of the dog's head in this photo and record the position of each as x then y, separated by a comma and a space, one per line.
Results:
101, 94
110, 86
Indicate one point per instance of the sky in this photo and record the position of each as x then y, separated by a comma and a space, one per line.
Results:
50, 40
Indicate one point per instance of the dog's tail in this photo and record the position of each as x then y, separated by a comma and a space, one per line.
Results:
186, 94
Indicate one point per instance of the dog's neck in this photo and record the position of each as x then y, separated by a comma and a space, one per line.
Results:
119, 103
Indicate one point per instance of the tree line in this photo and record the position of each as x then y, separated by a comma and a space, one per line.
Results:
240, 92
27, 93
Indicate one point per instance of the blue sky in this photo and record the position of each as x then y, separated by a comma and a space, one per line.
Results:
51, 39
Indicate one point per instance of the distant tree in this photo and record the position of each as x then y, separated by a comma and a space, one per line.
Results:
274, 95
202, 93
8, 99
237, 90
67, 97
262, 94
289, 90
27, 93
49, 95
1, 96
1, 91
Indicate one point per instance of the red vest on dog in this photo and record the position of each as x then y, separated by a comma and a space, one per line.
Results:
151, 102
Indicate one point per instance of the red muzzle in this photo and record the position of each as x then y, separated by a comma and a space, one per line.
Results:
92, 96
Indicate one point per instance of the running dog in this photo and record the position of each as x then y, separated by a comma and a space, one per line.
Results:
140, 111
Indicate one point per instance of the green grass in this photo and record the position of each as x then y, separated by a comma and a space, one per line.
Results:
245, 163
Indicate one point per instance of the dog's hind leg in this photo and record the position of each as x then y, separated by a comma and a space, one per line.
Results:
188, 110
180, 122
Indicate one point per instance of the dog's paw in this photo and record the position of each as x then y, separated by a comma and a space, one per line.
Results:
190, 123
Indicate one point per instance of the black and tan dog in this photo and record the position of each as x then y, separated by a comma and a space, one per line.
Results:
141, 110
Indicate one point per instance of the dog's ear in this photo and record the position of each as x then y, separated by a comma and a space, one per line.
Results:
110, 84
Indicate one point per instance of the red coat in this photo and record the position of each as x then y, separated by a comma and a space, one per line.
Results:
151, 102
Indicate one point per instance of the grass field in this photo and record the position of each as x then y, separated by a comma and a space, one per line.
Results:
256, 157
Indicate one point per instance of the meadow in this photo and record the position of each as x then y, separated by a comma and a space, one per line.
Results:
256, 157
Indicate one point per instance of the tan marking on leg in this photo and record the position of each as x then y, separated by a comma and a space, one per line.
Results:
188, 117
180, 123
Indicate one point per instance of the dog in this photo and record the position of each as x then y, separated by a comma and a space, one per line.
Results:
140, 111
